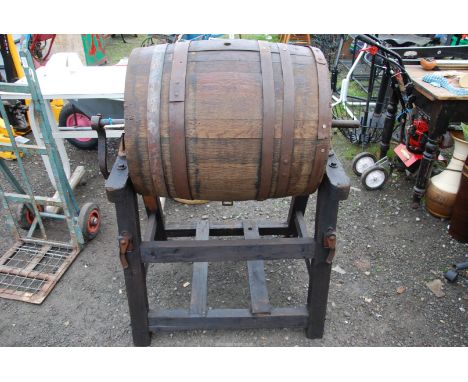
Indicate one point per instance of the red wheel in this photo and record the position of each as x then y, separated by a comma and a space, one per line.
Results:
71, 116
25, 216
89, 220
29, 216
79, 120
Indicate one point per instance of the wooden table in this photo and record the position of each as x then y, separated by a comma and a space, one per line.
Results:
65, 77
429, 91
442, 108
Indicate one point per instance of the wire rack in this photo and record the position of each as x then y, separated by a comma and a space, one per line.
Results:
29, 270
363, 107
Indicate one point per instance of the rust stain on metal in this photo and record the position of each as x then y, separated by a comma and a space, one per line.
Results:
329, 242
125, 245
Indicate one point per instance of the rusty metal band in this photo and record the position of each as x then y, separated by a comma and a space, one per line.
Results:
268, 127
324, 92
287, 133
153, 117
324, 120
177, 147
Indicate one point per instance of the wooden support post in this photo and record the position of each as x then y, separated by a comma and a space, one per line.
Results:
259, 300
334, 187
155, 213
120, 191
199, 296
298, 204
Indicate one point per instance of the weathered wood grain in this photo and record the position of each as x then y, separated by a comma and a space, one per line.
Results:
136, 127
224, 121
259, 300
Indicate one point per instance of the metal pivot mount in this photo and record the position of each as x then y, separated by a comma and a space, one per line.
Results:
97, 124
291, 241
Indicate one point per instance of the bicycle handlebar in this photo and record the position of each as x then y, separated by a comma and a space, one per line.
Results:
374, 41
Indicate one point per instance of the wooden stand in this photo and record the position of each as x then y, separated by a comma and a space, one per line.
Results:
136, 251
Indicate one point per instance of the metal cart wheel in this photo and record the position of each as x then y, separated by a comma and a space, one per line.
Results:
71, 116
89, 220
25, 216
374, 177
362, 162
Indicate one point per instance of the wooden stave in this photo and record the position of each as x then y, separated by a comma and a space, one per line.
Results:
312, 170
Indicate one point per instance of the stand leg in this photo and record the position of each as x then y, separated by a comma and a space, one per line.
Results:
298, 204
320, 269
153, 205
439, 123
120, 191
388, 124
161, 225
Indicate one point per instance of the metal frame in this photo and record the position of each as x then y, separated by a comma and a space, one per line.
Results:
136, 251
33, 259
367, 111
412, 54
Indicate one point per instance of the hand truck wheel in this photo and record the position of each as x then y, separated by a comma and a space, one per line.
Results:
374, 177
89, 220
363, 161
25, 215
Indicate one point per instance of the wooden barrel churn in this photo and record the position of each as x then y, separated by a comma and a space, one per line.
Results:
227, 120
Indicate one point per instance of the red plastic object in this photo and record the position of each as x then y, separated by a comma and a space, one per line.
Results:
371, 49
420, 128
406, 156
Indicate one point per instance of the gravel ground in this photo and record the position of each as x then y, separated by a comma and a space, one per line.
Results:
386, 254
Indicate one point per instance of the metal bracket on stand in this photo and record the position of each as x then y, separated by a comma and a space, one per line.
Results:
97, 126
